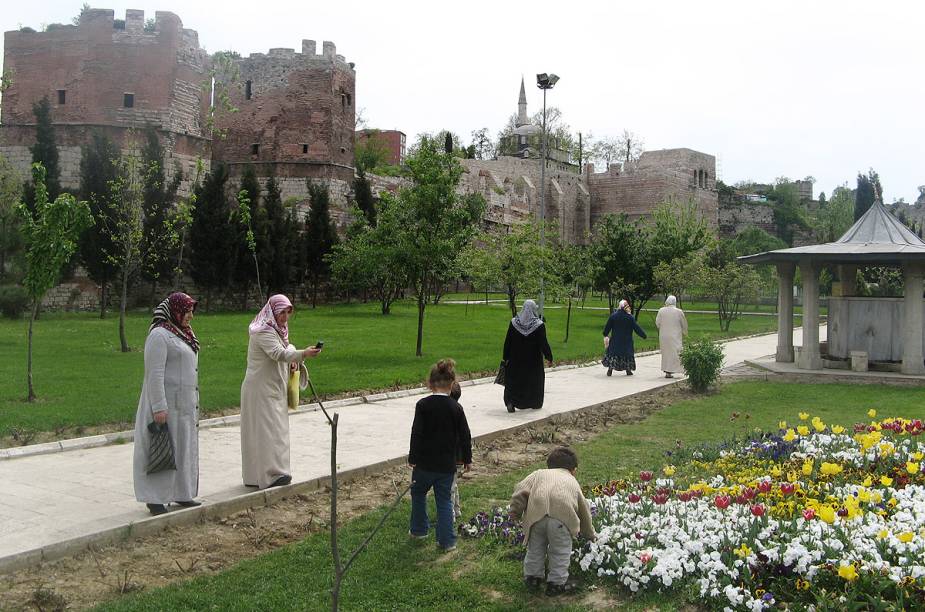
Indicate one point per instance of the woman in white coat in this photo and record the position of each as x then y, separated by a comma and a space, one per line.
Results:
672, 327
264, 407
170, 394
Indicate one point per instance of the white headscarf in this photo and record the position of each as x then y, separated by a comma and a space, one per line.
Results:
622, 305
527, 320
671, 301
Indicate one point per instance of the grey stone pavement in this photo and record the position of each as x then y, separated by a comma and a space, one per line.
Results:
51, 499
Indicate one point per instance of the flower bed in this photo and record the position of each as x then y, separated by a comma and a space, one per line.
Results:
812, 515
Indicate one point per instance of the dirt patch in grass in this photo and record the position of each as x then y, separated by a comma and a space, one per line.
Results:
180, 553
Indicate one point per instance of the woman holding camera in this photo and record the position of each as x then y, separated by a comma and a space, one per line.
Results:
264, 407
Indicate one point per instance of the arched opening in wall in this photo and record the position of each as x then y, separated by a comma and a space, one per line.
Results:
248, 90
706, 178
700, 178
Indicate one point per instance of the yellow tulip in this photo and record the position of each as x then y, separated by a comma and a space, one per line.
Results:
912, 467
807, 468
871, 413
876, 497
819, 425
906, 537
776, 472
887, 449
803, 430
668, 470
827, 469
863, 495
886, 481
790, 436
837, 429
804, 416
743, 551
918, 456
868, 481
883, 534
848, 572
782, 425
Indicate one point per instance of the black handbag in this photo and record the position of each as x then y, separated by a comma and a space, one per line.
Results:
160, 452
502, 373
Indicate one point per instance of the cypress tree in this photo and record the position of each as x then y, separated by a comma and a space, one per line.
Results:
278, 251
157, 198
211, 234
319, 237
864, 196
44, 151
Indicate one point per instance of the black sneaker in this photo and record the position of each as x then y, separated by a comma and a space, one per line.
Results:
157, 509
609, 371
534, 582
629, 372
510, 408
282, 481
561, 589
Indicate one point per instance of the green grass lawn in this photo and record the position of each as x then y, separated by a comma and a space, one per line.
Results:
397, 574
82, 379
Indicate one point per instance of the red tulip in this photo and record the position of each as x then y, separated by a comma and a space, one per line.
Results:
758, 510
663, 491
645, 558
741, 500
685, 496
634, 498
645, 476
749, 493
787, 488
764, 486
722, 501
809, 514
660, 498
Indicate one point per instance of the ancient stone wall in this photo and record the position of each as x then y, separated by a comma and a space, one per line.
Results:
670, 174
108, 75
295, 115
737, 214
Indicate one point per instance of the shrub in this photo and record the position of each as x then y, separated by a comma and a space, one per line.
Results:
13, 301
702, 360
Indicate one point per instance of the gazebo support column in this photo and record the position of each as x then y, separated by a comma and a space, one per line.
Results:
810, 359
785, 313
912, 320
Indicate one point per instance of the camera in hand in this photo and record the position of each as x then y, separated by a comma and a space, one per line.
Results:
320, 344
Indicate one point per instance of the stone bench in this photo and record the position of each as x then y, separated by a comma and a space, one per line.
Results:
858, 361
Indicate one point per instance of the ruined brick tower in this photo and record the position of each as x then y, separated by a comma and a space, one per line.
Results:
109, 75
295, 118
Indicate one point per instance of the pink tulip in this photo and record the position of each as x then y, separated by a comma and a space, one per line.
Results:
645, 558
645, 476
787, 488
809, 514
634, 498
764, 486
758, 510
722, 501
685, 496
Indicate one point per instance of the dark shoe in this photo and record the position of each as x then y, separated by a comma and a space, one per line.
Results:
669, 375
157, 509
534, 582
609, 371
188, 504
510, 407
537, 407
282, 481
561, 589
629, 372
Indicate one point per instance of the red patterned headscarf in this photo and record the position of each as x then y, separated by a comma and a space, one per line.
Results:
266, 318
169, 315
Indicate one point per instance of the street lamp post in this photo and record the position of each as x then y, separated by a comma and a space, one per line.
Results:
545, 82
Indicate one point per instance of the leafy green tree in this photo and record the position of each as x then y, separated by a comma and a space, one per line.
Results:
731, 286
623, 261
10, 192
363, 196
50, 231
867, 191
369, 260
370, 153
789, 213
251, 241
837, 215
158, 197
180, 221
319, 237
212, 234
678, 229
513, 260
45, 152
99, 161
434, 223
677, 276
574, 268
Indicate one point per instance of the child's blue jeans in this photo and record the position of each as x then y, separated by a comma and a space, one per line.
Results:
441, 483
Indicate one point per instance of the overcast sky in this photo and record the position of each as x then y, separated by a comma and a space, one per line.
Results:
771, 88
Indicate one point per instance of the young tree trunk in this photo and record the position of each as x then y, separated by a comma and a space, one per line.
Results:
35, 311
422, 303
122, 301
314, 292
568, 318
103, 299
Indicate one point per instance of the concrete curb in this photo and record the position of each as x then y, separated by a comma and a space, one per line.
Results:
122, 437
257, 499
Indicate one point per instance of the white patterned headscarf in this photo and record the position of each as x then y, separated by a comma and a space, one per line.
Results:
528, 319
622, 305
671, 301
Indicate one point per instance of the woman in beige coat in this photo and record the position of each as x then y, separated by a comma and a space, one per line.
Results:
264, 409
672, 327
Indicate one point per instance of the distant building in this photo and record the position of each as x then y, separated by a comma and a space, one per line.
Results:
526, 140
393, 140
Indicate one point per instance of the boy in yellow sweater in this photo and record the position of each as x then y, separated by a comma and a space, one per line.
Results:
554, 510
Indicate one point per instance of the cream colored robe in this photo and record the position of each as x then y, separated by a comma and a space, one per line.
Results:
264, 409
172, 384
672, 327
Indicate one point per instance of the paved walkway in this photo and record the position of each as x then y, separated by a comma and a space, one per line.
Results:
50, 499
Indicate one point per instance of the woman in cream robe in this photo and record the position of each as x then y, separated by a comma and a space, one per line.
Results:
672, 327
264, 409
170, 394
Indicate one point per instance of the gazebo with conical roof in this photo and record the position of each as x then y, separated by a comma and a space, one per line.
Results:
888, 329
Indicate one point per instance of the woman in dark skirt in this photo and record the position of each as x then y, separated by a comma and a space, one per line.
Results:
618, 340
524, 349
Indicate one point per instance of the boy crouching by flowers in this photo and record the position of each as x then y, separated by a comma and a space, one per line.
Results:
554, 510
